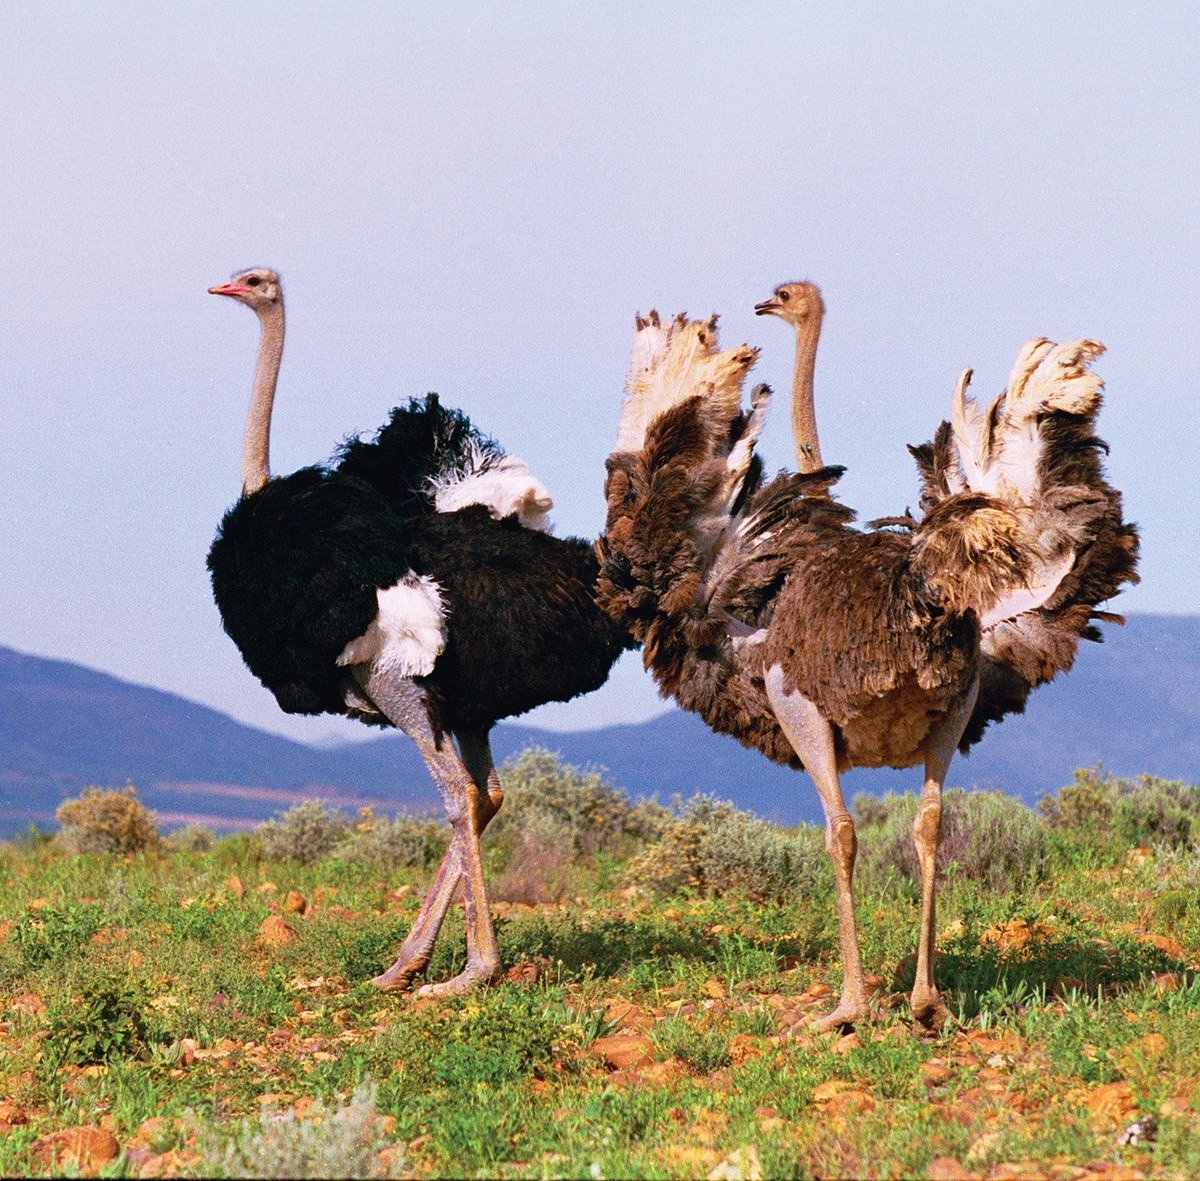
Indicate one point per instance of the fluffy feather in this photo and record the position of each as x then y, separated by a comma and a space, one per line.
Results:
700, 560
407, 635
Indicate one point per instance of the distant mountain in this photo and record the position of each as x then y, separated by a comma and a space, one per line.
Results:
1132, 704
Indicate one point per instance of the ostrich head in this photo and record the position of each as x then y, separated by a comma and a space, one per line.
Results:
793, 302
258, 288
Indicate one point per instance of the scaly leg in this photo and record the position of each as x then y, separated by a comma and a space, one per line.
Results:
469, 808
476, 753
812, 737
927, 1005
488, 796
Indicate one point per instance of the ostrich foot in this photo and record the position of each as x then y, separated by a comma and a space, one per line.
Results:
469, 978
928, 1009
848, 1014
401, 974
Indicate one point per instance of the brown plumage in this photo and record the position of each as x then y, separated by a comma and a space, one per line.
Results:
762, 609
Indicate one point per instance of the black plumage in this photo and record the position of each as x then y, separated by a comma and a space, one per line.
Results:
347, 591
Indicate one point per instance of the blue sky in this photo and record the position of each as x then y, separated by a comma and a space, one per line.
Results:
476, 198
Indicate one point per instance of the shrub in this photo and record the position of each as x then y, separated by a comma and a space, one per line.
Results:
577, 806
104, 820
703, 1050
1144, 811
540, 862
407, 841
192, 838
1158, 812
306, 833
713, 848
1085, 805
986, 836
105, 1022
340, 1141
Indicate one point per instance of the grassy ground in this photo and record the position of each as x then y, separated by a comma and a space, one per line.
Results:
160, 1002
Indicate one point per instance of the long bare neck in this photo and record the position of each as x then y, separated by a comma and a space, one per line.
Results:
256, 447
804, 415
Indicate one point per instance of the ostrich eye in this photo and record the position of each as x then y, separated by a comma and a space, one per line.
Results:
253, 281
784, 296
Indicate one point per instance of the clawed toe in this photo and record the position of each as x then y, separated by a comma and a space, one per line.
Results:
465, 981
400, 975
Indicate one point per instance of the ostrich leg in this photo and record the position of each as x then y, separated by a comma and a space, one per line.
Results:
469, 808
414, 954
812, 738
928, 1008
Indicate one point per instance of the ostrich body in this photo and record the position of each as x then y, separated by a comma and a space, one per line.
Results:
801, 305
763, 610
404, 585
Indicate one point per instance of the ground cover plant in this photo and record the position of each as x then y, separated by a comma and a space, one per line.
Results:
199, 1006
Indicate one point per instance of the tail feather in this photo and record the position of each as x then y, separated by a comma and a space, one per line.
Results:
1051, 544
428, 458
696, 547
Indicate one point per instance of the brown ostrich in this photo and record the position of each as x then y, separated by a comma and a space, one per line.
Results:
801, 305
762, 609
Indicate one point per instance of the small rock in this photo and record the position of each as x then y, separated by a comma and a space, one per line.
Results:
945, 1168
83, 1147
294, 902
847, 1042
526, 972
1141, 1131
935, 1072
624, 1051
274, 932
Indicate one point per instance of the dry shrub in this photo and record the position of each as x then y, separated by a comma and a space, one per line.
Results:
192, 838
714, 848
307, 833
986, 836
556, 821
1086, 804
1142, 811
342, 1140
105, 820
592, 814
407, 841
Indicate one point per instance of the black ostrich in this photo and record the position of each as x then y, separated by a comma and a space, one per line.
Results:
405, 586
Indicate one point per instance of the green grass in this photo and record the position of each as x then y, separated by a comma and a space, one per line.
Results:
136, 994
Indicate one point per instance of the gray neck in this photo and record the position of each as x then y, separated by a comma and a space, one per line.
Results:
256, 447
804, 415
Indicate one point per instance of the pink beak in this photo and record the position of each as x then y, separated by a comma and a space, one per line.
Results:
229, 289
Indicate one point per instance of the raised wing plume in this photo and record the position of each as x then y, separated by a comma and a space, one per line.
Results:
1059, 546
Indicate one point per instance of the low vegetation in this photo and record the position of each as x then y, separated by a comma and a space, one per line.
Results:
198, 1006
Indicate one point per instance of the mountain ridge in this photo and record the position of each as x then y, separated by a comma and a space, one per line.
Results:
1131, 704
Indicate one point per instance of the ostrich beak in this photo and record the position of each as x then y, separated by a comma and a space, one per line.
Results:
229, 289
768, 307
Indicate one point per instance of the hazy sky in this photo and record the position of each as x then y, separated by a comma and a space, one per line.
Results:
475, 198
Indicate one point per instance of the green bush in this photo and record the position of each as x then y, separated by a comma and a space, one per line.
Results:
407, 841
1143, 811
192, 838
985, 836
104, 1023
344, 1140
703, 1050
714, 848
105, 820
1159, 812
556, 821
308, 832
579, 806
1086, 804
